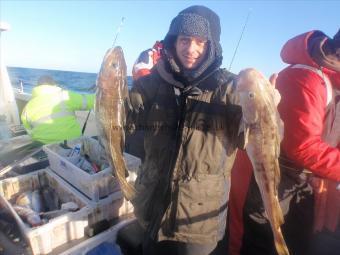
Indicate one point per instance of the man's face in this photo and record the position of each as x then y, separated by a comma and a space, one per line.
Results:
190, 50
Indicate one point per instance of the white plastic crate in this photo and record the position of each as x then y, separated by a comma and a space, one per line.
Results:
58, 231
113, 206
94, 186
109, 235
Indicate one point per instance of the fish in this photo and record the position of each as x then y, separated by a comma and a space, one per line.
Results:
111, 107
37, 201
50, 199
65, 208
24, 199
53, 214
31, 199
264, 131
28, 215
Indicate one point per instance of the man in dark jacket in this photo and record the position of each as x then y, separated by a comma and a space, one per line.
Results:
187, 107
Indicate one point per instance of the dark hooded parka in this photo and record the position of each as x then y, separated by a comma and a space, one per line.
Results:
192, 130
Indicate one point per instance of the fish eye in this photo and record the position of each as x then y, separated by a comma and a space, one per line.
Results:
251, 95
114, 65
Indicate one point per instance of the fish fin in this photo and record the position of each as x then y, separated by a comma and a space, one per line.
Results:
128, 190
277, 174
278, 212
277, 206
246, 135
280, 244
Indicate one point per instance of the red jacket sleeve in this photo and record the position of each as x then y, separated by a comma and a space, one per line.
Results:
302, 109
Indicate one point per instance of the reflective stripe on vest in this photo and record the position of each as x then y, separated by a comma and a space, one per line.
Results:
29, 131
63, 113
329, 90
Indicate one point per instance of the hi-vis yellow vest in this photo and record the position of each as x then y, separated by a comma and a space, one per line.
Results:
49, 116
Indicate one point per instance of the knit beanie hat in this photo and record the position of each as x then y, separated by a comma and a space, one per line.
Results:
197, 21
336, 41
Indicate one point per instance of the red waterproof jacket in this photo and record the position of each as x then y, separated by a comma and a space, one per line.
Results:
302, 109
146, 61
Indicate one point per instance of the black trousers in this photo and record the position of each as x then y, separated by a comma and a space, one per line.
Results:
297, 204
326, 243
151, 247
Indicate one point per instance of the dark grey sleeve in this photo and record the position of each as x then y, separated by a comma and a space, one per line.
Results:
137, 112
239, 134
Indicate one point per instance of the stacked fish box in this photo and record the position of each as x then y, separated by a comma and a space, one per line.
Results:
48, 210
72, 166
83, 164
92, 245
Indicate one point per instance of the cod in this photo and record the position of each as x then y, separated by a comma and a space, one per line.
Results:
263, 127
111, 107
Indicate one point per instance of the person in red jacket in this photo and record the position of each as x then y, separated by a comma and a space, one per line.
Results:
310, 157
146, 60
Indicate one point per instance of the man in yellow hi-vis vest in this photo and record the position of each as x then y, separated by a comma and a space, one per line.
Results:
49, 116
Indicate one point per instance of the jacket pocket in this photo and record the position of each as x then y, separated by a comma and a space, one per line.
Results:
202, 206
145, 185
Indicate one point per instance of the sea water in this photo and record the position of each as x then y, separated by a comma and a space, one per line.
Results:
26, 79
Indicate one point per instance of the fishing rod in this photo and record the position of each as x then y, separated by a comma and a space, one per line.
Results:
114, 42
118, 31
239, 40
85, 123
